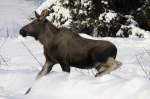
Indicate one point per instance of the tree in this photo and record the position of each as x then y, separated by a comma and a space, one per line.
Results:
98, 17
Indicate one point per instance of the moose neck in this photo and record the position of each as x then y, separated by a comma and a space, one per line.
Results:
48, 34
52, 27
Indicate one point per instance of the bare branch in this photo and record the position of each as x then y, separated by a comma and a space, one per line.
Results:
142, 67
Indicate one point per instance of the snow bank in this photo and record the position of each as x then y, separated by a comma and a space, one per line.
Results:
77, 86
136, 31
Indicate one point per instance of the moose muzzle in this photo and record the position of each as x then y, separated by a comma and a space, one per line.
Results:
23, 32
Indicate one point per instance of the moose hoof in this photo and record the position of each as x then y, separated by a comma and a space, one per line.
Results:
97, 75
28, 91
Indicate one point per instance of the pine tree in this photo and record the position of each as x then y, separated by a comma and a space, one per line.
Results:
97, 17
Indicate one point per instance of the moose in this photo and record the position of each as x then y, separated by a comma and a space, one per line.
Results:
69, 49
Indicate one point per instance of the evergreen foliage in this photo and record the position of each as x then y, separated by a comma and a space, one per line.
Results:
101, 17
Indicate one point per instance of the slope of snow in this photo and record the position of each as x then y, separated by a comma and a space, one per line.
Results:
131, 81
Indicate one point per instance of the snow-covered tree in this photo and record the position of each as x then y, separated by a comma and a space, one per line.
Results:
100, 17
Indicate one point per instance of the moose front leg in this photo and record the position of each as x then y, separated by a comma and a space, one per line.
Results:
62, 60
47, 66
45, 70
65, 66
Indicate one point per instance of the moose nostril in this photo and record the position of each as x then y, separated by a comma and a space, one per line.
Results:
23, 32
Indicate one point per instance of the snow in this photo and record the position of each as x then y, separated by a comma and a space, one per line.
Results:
131, 81
107, 16
105, 2
135, 30
18, 67
14, 14
59, 12
138, 31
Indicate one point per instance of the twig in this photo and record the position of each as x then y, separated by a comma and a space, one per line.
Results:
142, 67
4, 60
93, 72
31, 53
148, 52
4, 42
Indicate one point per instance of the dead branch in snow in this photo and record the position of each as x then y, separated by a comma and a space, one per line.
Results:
141, 65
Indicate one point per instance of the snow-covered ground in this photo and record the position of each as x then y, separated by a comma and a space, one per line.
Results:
18, 72
18, 66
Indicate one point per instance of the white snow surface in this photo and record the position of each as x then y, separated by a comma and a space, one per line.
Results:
18, 67
131, 81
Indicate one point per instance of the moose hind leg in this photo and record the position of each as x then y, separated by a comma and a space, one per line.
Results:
100, 70
109, 66
65, 67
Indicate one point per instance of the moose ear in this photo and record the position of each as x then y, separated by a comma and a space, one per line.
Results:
44, 14
37, 15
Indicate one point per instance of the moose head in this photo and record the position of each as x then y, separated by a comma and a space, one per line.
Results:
36, 26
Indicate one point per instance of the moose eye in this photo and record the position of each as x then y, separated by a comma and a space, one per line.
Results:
31, 18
